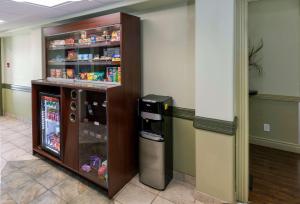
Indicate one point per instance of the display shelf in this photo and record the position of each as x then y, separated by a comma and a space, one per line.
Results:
93, 176
86, 63
81, 82
73, 71
80, 46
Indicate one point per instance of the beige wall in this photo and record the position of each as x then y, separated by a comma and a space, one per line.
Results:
277, 22
283, 117
17, 104
168, 53
215, 169
24, 53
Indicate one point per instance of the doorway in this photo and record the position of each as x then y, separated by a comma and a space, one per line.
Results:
268, 132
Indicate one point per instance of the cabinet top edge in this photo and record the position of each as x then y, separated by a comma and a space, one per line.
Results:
75, 85
87, 23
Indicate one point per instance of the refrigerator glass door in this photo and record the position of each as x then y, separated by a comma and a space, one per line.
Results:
50, 124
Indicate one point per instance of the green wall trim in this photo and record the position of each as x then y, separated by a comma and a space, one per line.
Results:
276, 97
184, 113
16, 87
215, 125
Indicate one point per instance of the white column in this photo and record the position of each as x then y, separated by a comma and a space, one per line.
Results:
215, 59
215, 152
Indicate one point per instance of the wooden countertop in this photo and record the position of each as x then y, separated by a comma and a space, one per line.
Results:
75, 84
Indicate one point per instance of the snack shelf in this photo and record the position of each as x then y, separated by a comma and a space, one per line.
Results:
80, 81
93, 45
104, 63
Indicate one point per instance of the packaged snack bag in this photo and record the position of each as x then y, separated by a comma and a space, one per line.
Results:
53, 72
70, 73
119, 74
58, 73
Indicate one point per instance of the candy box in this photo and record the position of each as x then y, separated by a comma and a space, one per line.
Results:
70, 73
111, 74
70, 41
72, 55
99, 76
93, 39
52, 72
90, 76
86, 168
58, 73
95, 161
83, 76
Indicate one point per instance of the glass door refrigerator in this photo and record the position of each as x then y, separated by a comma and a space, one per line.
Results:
50, 124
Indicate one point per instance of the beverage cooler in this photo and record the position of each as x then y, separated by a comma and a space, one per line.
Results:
50, 123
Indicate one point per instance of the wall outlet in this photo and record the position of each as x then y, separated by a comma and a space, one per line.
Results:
267, 127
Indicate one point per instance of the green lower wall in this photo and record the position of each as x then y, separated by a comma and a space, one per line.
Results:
18, 103
184, 146
281, 115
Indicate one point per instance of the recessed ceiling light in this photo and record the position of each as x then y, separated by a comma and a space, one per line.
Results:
48, 3
2, 21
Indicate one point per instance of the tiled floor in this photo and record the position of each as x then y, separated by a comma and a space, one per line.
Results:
29, 179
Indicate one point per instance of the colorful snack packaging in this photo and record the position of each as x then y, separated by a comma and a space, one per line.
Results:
58, 73
119, 74
70, 73
53, 72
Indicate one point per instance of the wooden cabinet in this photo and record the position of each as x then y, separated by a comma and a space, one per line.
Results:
98, 116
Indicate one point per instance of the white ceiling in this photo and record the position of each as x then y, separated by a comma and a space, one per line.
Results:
18, 14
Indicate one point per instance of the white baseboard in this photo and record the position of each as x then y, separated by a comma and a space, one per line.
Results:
286, 146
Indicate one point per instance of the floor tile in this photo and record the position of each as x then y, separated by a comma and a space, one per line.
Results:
135, 180
14, 180
27, 192
69, 189
27, 147
91, 197
2, 165
132, 194
22, 163
13, 154
6, 199
6, 132
7, 146
48, 198
21, 127
178, 191
26, 156
21, 141
52, 178
36, 171
8, 169
160, 200
13, 137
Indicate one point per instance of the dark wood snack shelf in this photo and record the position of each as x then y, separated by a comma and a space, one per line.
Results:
109, 109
